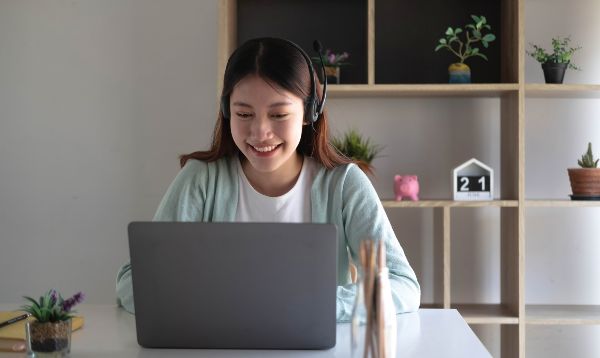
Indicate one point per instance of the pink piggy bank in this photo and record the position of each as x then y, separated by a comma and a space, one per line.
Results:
406, 186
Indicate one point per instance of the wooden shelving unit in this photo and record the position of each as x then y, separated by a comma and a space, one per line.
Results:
561, 203
428, 203
487, 314
542, 90
562, 314
423, 90
511, 313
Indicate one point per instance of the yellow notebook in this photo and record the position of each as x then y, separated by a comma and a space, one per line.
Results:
12, 337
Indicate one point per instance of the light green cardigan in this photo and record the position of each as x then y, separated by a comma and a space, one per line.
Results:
343, 196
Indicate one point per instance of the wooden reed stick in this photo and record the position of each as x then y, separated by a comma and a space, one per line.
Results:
370, 339
380, 301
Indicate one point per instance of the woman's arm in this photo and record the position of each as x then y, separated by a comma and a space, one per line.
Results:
364, 218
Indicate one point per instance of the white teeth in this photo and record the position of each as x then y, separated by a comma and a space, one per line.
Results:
265, 149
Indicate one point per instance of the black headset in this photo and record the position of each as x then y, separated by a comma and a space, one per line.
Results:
313, 107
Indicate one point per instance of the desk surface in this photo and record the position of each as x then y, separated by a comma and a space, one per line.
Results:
110, 331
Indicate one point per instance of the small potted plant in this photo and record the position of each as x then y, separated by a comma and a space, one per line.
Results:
556, 63
332, 62
459, 72
354, 146
50, 332
585, 181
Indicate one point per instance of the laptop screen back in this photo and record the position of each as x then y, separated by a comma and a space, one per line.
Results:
234, 285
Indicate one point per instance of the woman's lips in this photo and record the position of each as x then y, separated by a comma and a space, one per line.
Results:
264, 150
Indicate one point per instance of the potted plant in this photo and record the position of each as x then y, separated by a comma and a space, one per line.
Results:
556, 63
459, 72
585, 181
50, 332
354, 146
332, 62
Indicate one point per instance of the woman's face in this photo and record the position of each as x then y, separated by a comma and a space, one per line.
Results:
266, 125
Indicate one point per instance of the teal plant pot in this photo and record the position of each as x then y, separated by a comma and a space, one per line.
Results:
459, 73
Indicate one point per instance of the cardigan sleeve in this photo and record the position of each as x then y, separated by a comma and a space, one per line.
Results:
183, 201
364, 217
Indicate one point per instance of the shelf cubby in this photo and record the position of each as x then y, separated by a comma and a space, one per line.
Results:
487, 313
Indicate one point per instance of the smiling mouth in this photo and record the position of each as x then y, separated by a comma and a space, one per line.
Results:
265, 149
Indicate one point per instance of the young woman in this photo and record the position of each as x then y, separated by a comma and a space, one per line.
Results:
271, 160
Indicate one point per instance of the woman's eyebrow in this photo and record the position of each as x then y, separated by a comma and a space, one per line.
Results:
276, 104
279, 104
241, 104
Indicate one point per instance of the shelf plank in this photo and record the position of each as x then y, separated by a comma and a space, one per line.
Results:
543, 90
561, 203
562, 314
422, 90
431, 305
486, 314
433, 203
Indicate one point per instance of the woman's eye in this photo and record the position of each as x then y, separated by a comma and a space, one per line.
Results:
279, 116
244, 115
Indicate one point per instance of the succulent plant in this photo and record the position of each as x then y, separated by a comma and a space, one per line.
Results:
361, 150
51, 307
587, 160
354, 146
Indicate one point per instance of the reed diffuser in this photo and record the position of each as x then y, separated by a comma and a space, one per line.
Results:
374, 314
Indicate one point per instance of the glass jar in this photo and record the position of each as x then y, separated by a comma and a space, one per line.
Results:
48, 339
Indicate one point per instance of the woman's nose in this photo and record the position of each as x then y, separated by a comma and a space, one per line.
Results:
261, 127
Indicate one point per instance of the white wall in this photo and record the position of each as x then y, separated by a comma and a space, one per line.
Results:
97, 99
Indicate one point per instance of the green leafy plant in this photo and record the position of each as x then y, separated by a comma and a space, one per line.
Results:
473, 34
561, 52
587, 160
353, 145
51, 307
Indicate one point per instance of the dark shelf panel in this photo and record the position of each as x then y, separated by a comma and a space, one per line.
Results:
340, 25
407, 32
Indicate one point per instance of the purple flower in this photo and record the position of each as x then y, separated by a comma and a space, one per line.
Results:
334, 59
70, 302
331, 59
53, 297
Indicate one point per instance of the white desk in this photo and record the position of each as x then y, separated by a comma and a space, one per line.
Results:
110, 332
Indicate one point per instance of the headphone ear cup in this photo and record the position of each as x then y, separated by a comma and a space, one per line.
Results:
225, 107
311, 110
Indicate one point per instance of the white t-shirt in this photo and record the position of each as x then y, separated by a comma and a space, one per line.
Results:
293, 206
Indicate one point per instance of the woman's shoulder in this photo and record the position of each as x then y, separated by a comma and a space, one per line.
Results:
343, 172
196, 167
195, 171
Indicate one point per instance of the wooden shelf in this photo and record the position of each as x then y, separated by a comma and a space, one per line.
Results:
561, 203
431, 305
486, 314
562, 314
432, 203
543, 90
422, 90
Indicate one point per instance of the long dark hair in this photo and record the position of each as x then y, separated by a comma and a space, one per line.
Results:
280, 63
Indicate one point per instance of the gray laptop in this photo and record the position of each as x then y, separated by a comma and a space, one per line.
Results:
234, 285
